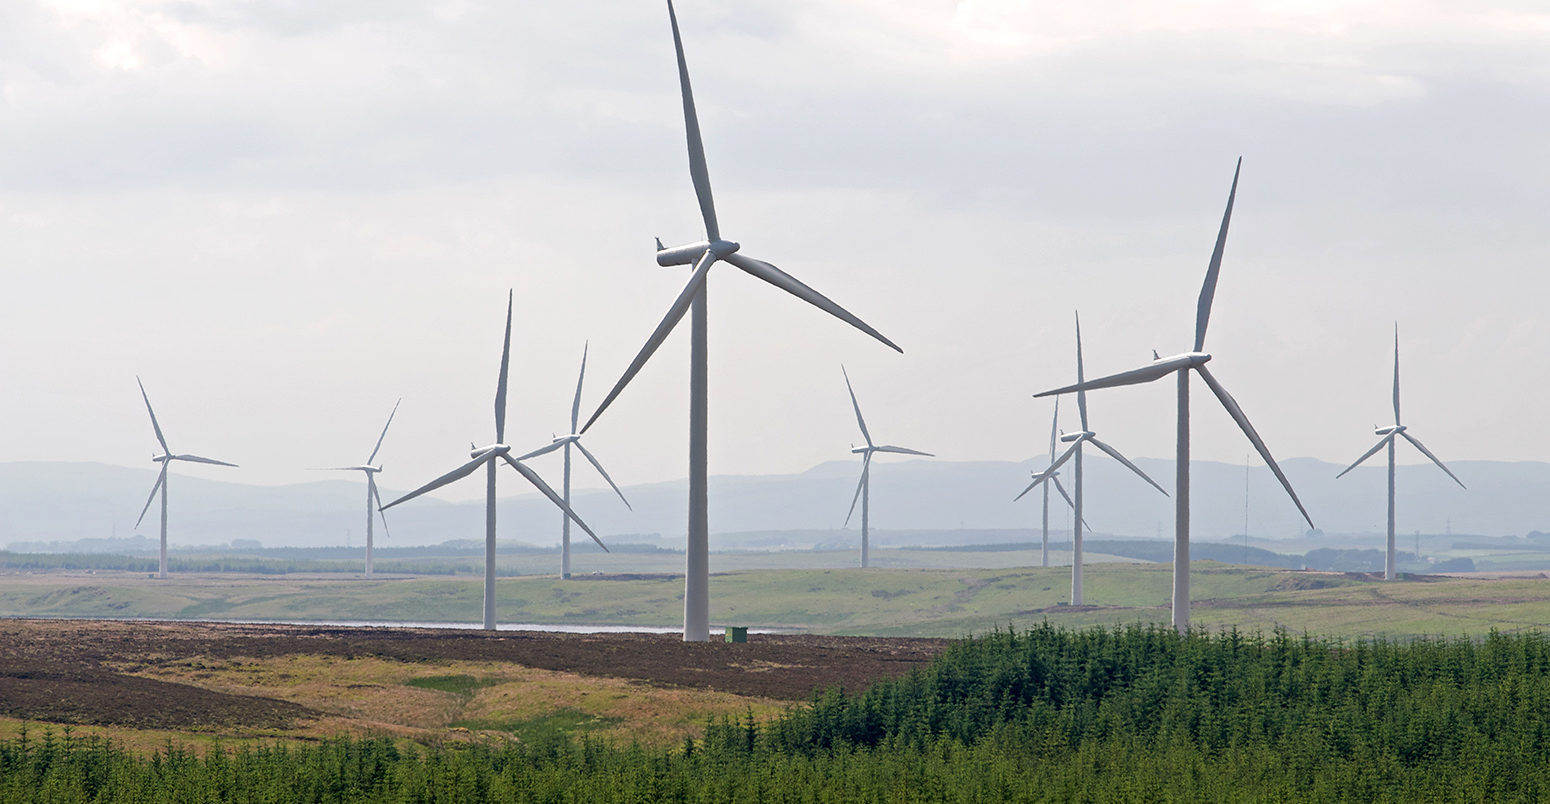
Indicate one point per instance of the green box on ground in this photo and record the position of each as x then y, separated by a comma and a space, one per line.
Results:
737, 633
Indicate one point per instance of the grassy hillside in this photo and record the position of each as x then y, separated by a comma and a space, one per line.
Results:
894, 602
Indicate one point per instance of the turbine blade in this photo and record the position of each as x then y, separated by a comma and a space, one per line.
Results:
1382, 442
1081, 393
1132, 377
377, 495
902, 451
1062, 489
1114, 453
866, 465
166, 450
1050, 472
538, 483
1428, 453
544, 450
1248, 429
792, 285
197, 459
1054, 428
1396, 372
697, 169
500, 388
575, 405
596, 464
857, 406
160, 476
378, 448
1208, 289
456, 474
675, 314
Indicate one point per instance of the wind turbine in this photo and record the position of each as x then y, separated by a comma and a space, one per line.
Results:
486, 457
165, 459
373, 498
1075, 452
573, 438
702, 255
1182, 365
1054, 478
1389, 433
864, 488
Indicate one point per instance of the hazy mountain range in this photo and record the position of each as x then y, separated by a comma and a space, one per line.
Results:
47, 501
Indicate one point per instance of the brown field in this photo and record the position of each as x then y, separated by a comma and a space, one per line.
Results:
146, 682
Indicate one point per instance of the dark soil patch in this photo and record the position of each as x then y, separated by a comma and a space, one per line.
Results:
67, 670
88, 695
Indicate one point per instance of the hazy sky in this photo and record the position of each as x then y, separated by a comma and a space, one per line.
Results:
284, 215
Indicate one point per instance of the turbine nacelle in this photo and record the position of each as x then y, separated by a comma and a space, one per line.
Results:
161, 458
1186, 360
854, 450
1393, 428
1066, 438
493, 449
691, 253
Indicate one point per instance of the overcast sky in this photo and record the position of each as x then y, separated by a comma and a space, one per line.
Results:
284, 216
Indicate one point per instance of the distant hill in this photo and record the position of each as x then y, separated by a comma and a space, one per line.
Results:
43, 502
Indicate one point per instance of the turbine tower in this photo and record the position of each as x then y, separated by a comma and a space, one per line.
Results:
373, 498
864, 488
1073, 453
1181, 365
1390, 570
702, 255
573, 438
486, 457
165, 459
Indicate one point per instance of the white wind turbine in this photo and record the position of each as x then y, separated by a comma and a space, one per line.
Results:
1181, 365
486, 457
373, 498
165, 459
864, 487
1054, 478
573, 438
702, 255
1075, 452
1389, 433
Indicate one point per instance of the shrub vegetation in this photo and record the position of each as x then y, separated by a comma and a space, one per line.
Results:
1133, 713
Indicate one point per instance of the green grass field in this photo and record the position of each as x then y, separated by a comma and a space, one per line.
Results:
879, 601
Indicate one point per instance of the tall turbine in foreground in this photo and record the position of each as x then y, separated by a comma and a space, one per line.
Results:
165, 459
373, 498
486, 457
1181, 365
1389, 433
1075, 452
864, 488
573, 438
702, 255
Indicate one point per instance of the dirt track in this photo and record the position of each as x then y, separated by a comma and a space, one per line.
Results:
65, 670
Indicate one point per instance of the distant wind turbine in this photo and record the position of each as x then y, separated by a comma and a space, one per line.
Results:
1054, 477
1181, 365
702, 255
165, 459
373, 498
1075, 452
864, 487
1389, 433
573, 438
486, 457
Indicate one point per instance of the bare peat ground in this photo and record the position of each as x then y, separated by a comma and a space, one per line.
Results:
85, 671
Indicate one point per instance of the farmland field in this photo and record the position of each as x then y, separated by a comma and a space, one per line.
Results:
879, 602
